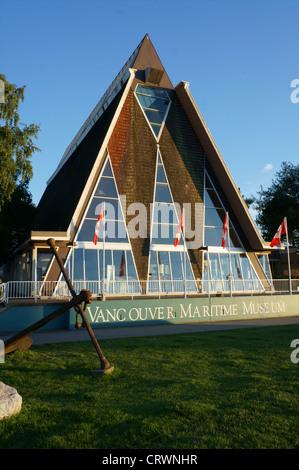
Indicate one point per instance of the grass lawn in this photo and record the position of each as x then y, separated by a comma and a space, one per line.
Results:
234, 389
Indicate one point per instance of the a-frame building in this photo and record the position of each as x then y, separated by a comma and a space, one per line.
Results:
142, 156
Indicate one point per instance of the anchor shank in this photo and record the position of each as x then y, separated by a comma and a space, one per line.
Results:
104, 363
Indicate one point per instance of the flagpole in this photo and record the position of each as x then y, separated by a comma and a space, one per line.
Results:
288, 254
185, 252
104, 250
229, 257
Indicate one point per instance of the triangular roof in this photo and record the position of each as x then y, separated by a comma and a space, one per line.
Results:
71, 184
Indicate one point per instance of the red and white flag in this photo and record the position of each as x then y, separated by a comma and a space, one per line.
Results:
96, 233
224, 229
282, 229
178, 233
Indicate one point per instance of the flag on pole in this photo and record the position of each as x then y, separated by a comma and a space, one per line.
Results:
178, 233
224, 229
282, 229
97, 228
122, 265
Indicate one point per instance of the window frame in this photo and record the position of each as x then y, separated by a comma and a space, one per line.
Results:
157, 136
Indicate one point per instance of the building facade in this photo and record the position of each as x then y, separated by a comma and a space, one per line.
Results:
146, 161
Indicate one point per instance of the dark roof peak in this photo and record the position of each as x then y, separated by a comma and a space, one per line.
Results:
147, 59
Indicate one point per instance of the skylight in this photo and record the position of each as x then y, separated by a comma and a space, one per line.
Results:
155, 103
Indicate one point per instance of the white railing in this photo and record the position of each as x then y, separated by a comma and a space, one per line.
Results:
56, 290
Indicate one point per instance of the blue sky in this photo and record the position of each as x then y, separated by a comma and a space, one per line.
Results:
239, 56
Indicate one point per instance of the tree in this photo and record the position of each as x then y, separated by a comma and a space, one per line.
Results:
280, 200
16, 142
15, 220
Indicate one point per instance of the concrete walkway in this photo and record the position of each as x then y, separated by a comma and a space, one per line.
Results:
44, 336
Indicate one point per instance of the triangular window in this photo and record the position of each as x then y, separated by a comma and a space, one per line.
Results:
106, 197
169, 266
229, 269
107, 266
165, 218
214, 218
155, 104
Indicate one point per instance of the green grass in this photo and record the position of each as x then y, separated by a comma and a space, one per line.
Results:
234, 389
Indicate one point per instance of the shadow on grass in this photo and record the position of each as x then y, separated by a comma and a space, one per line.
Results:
233, 389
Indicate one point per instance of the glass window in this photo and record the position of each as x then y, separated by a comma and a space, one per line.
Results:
42, 265
91, 265
156, 128
264, 262
119, 260
131, 271
114, 224
109, 272
167, 266
109, 269
88, 263
246, 268
213, 236
161, 178
111, 207
211, 199
107, 169
176, 265
153, 276
101, 263
236, 272
164, 271
106, 187
87, 231
214, 217
114, 231
226, 272
153, 269
162, 193
206, 276
234, 240
164, 266
165, 213
208, 183
164, 234
155, 103
189, 274
215, 271
78, 264
154, 116
251, 282
69, 265
153, 91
